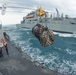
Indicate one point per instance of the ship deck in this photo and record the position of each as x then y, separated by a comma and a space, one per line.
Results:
19, 63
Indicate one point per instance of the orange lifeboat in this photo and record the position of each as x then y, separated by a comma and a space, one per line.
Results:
29, 17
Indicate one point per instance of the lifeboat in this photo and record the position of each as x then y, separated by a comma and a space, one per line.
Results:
29, 17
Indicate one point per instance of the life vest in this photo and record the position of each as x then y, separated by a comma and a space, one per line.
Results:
3, 41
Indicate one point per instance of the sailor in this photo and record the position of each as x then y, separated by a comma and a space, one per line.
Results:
1, 54
6, 47
6, 36
4, 33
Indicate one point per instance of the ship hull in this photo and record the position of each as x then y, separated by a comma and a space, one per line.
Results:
57, 27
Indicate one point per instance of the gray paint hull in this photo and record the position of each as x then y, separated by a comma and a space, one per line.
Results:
58, 27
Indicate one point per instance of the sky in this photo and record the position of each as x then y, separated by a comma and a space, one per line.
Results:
14, 17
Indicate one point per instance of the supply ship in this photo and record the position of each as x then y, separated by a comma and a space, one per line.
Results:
57, 23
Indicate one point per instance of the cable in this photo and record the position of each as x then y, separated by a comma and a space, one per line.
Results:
17, 11
20, 7
16, 3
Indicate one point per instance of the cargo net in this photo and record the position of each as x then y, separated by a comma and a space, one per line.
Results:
43, 34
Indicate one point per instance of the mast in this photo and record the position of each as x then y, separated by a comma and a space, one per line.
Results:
45, 20
57, 13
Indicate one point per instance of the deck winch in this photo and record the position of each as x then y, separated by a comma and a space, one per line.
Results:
43, 34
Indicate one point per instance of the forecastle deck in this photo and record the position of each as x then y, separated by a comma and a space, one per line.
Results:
19, 63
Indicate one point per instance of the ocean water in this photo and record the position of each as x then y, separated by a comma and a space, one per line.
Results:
61, 55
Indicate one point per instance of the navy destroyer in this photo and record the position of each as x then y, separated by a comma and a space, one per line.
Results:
56, 23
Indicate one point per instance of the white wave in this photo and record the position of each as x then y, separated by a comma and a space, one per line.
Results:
69, 51
68, 67
28, 33
35, 54
58, 48
48, 58
65, 34
25, 29
24, 43
14, 38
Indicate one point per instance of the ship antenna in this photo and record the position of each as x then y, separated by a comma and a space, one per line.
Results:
45, 14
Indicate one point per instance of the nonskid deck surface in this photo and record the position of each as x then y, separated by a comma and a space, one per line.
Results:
19, 63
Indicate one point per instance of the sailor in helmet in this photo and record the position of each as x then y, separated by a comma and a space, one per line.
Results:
6, 47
